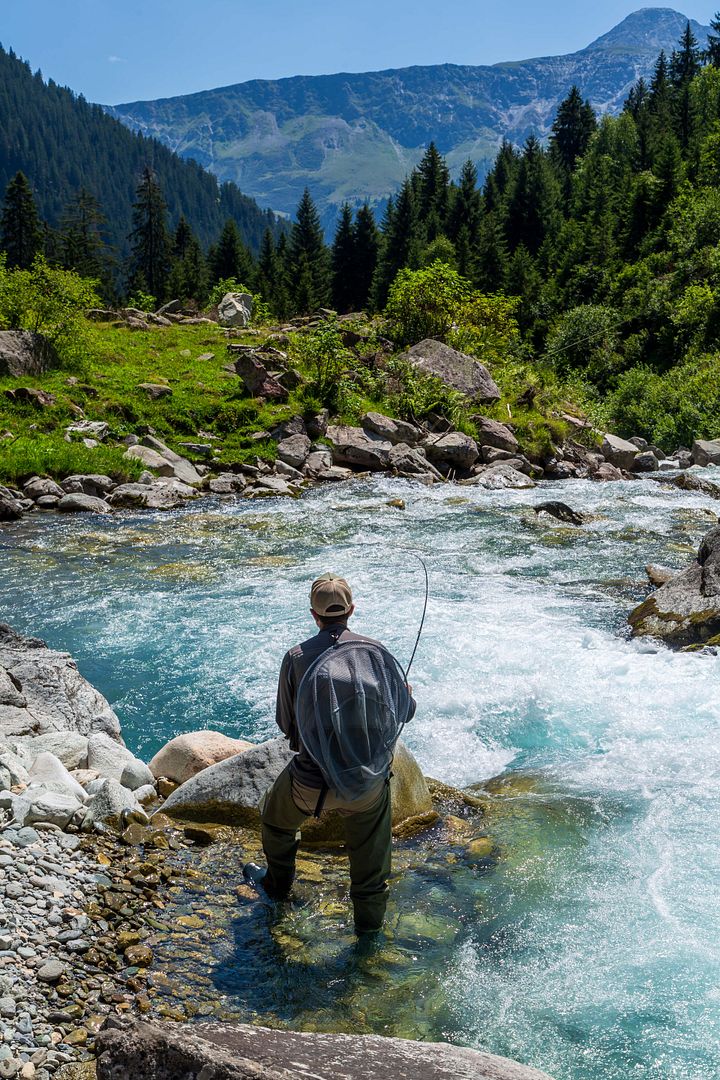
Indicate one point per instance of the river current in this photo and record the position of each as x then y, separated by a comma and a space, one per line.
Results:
597, 953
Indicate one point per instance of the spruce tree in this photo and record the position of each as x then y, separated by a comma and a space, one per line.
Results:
150, 260
81, 237
231, 259
21, 232
266, 271
367, 242
308, 260
432, 180
344, 262
465, 219
572, 130
712, 50
400, 246
533, 211
188, 278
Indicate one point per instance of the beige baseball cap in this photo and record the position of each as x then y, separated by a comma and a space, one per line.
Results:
330, 596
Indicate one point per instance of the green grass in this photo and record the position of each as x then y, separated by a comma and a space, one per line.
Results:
104, 380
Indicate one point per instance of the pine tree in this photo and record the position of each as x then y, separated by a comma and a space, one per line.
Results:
21, 233
81, 237
343, 262
367, 242
465, 219
150, 260
572, 130
266, 272
491, 260
231, 259
308, 260
533, 211
400, 244
686, 60
432, 186
188, 278
712, 51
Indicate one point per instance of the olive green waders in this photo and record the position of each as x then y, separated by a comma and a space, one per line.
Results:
368, 838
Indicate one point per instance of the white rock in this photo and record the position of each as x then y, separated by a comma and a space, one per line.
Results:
107, 757
108, 805
235, 309
12, 770
53, 808
136, 774
49, 773
69, 746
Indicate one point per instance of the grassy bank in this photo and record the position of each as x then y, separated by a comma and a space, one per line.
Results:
103, 381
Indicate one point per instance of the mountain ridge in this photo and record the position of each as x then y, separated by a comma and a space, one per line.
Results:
356, 135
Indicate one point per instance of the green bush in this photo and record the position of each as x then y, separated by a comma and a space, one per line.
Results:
48, 301
425, 303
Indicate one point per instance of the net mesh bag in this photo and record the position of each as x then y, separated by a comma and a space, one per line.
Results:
351, 706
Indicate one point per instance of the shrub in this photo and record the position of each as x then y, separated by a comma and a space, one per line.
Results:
425, 303
46, 300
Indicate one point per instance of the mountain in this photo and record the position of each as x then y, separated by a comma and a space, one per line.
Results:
356, 136
61, 143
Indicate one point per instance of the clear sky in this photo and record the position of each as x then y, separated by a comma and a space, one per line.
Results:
125, 50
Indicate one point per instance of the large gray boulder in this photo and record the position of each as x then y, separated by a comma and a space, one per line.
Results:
235, 309
394, 431
24, 353
87, 484
619, 452
493, 433
187, 755
10, 508
685, 611
83, 504
227, 1051
49, 774
354, 446
500, 477
110, 806
228, 793
42, 691
456, 369
294, 450
161, 495
412, 461
453, 450
706, 452
256, 378
155, 455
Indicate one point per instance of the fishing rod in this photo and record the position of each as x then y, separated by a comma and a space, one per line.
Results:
424, 612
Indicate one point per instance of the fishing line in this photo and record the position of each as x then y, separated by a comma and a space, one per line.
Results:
424, 612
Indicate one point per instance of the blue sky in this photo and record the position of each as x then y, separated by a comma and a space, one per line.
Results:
124, 50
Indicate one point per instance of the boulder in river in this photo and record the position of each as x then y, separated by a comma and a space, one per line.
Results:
457, 370
229, 1051
83, 504
187, 755
686, 610
166, 494
453, 450
494, 434
354, 446
395, 431
228, 793
10, 508
42, 691
706, 452
619, 452
499, 477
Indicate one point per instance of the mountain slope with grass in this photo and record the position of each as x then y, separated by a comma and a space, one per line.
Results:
356, 136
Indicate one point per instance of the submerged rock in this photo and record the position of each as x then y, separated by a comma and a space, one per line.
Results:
229, 1051
228, 793
686, 610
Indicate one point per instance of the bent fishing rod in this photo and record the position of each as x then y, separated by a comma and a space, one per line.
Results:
424, 611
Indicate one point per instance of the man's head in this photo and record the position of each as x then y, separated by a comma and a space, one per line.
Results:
330, 600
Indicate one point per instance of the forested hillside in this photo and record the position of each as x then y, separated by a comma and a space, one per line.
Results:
62, 144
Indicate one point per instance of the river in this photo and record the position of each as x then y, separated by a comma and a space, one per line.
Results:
600, 957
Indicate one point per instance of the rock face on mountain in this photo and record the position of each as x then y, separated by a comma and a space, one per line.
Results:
356, 136
238, 1051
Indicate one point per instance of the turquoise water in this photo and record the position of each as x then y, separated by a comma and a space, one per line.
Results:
603, 961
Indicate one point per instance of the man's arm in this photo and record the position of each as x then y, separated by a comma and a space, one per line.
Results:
285, 707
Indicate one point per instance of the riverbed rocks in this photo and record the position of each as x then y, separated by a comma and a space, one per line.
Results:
187, 755
228, 793
493, 434
356, 446
455, 369
294, 449
685, 612
23, 352
397, 432
82, 504
230, 1051
48, 692
166, 494
619, 452
499, 476
451, 451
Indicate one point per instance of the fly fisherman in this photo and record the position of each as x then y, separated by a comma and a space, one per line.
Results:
342, 701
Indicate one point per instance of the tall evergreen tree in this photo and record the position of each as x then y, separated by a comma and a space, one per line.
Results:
188, 278
464, 220
308, 259
400, 242
432, 180
367, 242
712, 50
344, 262
21, 232
231, 259
572, 130
82, 241
534, 206
150, 260
686, 60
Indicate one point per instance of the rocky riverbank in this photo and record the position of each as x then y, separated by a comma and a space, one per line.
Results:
96, 848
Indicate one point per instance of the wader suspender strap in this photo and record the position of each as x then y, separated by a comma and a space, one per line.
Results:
335, 636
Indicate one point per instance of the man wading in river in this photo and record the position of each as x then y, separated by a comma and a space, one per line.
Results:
342, 702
